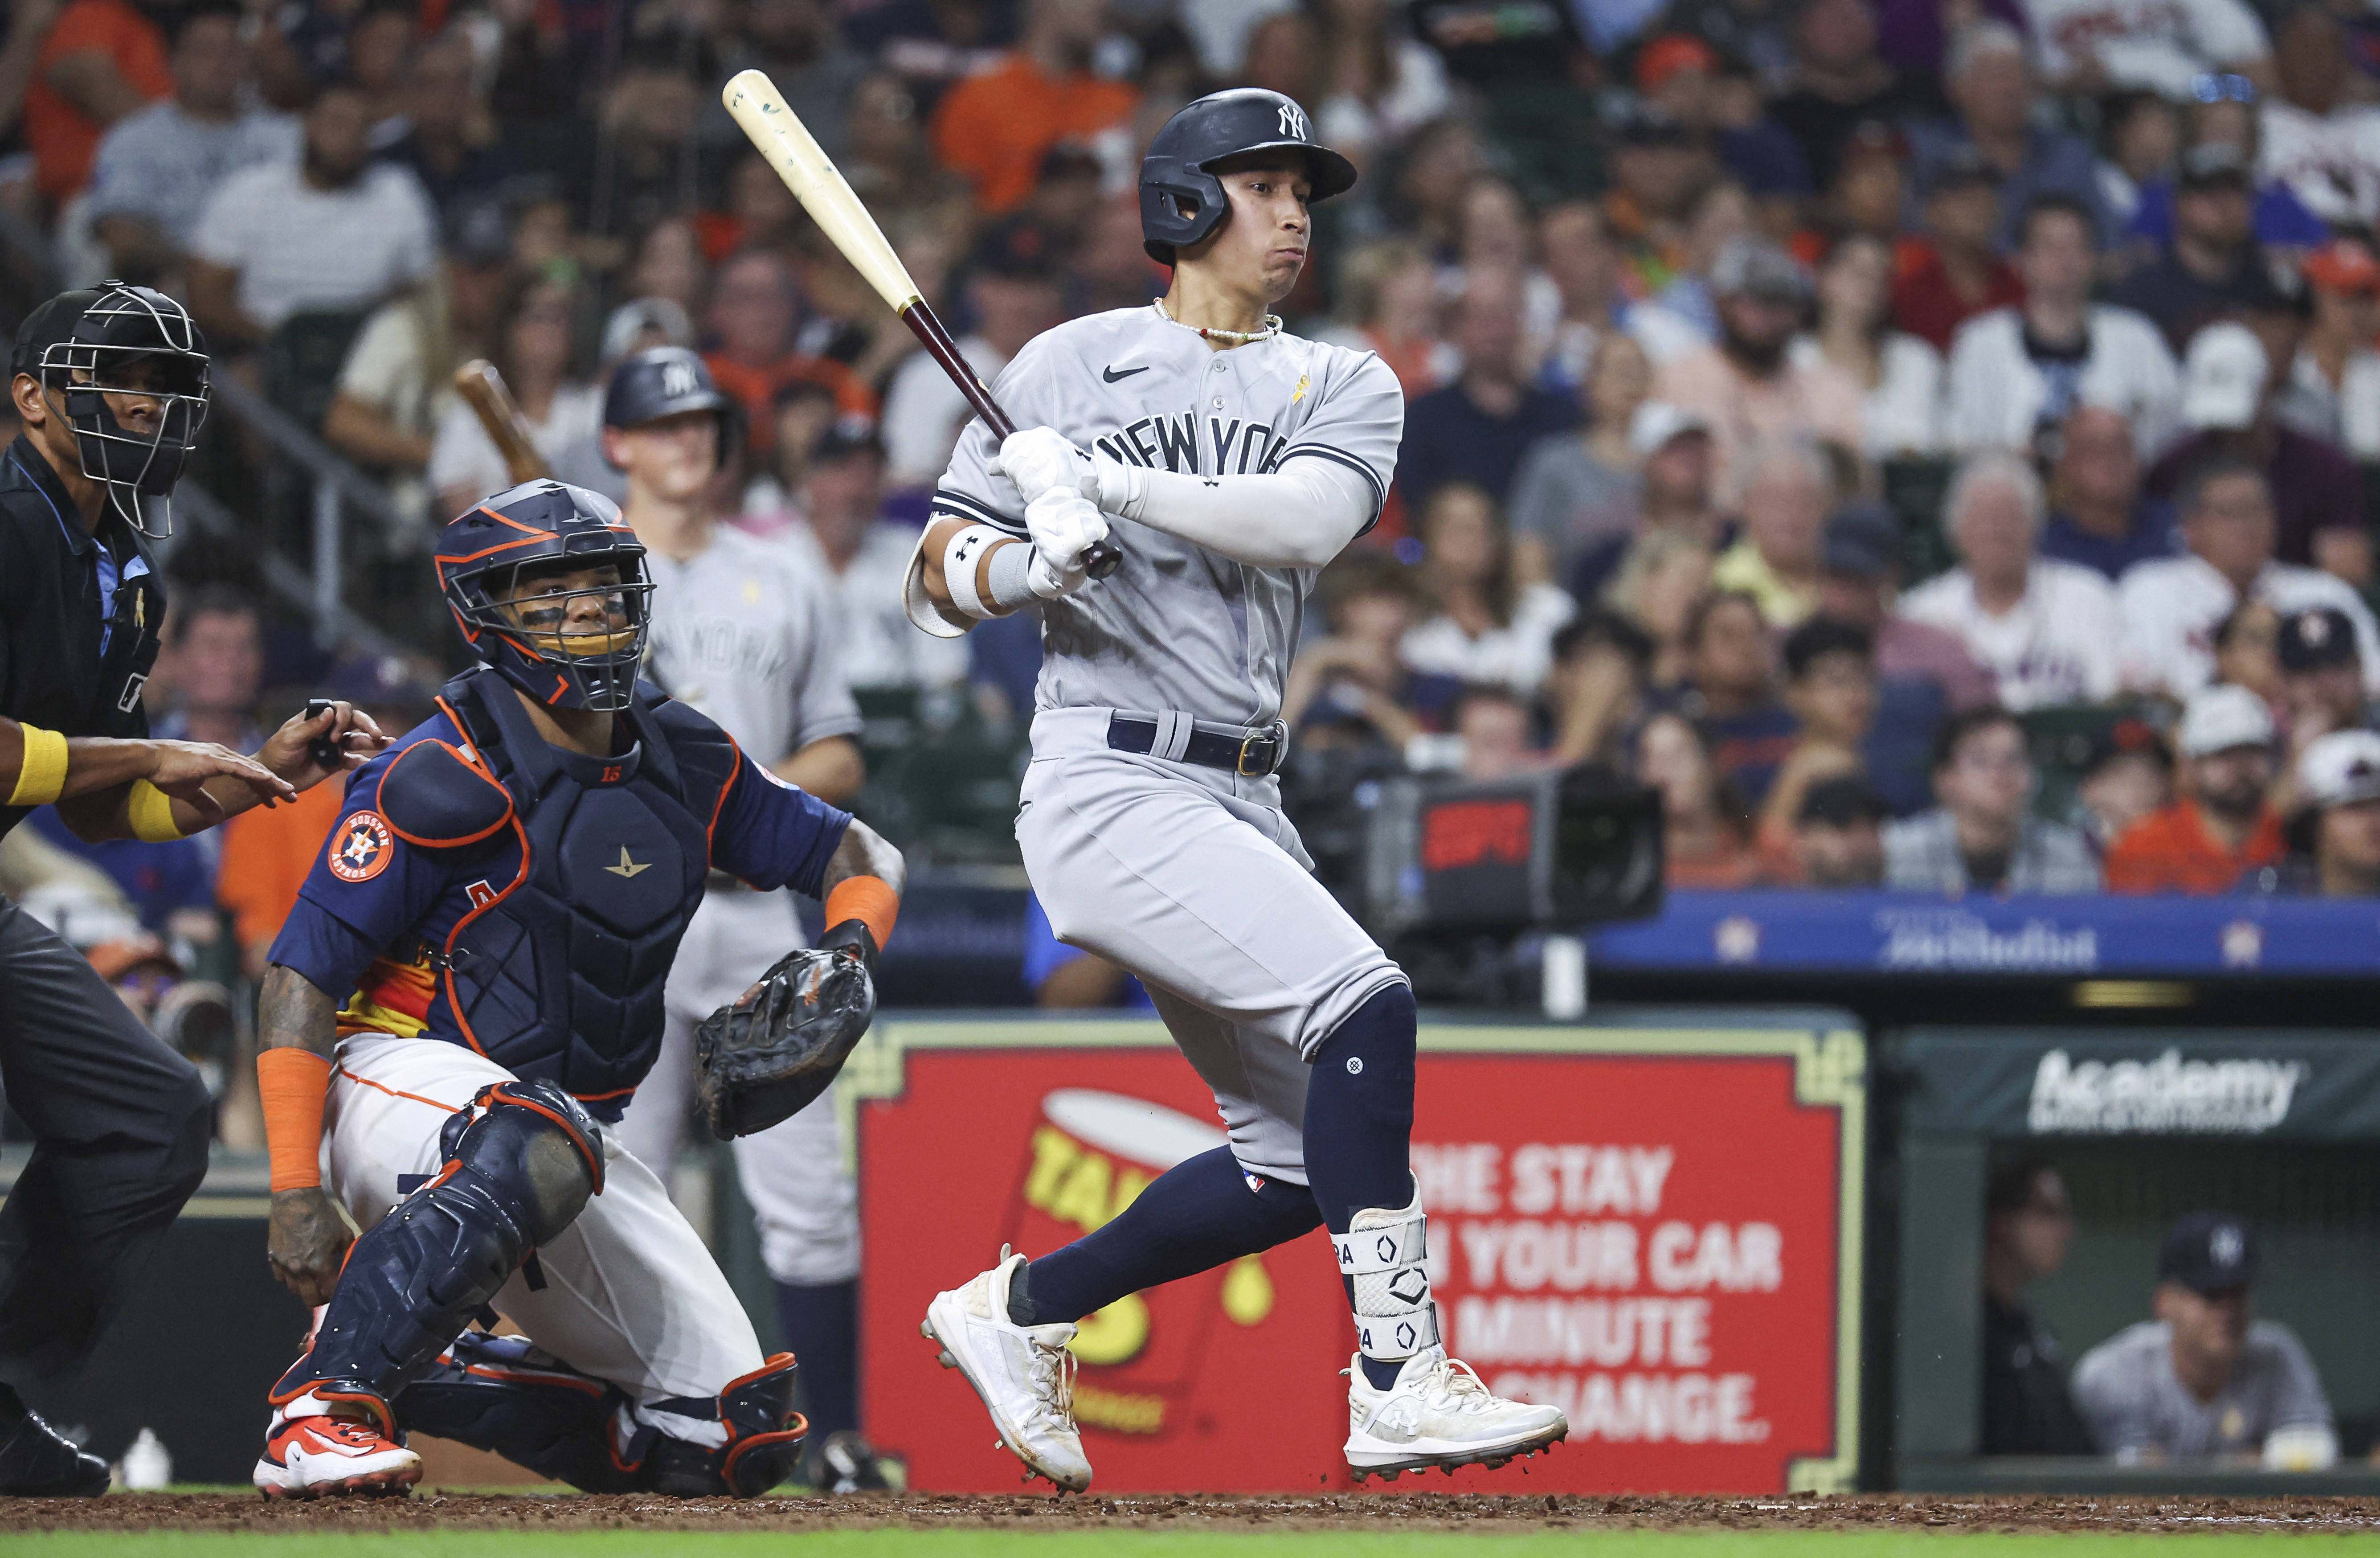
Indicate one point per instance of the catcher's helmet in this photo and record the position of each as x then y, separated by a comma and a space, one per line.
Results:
1181, 199
664, 381
126, 340
548, 528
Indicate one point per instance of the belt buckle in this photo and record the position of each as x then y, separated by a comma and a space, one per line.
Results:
1269, 739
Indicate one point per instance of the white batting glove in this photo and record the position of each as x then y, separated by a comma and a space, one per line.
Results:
1039, 460
1063, 525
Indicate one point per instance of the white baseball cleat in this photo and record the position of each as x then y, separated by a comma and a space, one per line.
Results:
1437, 1414
313, 1454
1024, 1373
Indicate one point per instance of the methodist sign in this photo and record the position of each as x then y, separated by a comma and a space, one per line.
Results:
1654, 1226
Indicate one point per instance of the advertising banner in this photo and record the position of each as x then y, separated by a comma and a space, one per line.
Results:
1920, 933
2290, 1084
1656, 1228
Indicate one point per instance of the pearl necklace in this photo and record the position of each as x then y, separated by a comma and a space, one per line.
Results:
1236, 337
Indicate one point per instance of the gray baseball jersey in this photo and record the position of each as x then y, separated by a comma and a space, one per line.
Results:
1178, 626
2131, 1397
744, 634
1190, 877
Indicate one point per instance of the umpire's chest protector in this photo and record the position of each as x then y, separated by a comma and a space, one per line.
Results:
559, 976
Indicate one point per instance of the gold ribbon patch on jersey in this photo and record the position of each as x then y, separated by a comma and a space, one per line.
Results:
1299, 393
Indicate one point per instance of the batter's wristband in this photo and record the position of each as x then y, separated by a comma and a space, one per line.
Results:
291, 1083
41, 769
960, 560
868, 899
151, 811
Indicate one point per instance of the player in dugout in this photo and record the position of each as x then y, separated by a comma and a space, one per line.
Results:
2207, 1380
110, 385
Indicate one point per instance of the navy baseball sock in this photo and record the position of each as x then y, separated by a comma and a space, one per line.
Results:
1359, 1114
1196, 1216
820, 1322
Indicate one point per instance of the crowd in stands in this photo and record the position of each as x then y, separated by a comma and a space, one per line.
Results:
1926, 441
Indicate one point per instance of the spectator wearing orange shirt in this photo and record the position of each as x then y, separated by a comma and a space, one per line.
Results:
102, 61
996, 128
755, 309
2222, 828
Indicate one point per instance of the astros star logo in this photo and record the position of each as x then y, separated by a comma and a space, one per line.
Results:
360, 847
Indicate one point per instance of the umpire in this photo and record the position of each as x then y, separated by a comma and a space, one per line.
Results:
111, 386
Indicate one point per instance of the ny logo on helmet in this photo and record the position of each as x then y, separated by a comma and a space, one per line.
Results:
677, 379
1293, 121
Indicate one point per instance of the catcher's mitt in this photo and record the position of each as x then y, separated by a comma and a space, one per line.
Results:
760, 1059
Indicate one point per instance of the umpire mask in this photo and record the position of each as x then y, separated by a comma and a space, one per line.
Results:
132, 371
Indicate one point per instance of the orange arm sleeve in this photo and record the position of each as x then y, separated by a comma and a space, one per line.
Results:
291, 1083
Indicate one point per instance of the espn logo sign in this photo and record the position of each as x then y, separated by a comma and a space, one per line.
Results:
1476, 833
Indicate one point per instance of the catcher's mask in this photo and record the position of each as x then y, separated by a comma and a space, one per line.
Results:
548, 586
132, 368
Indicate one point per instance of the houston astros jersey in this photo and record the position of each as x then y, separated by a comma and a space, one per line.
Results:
1179, 626
488, 889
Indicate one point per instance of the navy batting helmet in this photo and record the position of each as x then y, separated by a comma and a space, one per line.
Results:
1181, 199
498, 564
664, 381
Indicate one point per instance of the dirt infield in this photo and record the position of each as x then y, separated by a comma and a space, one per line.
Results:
1412, 1512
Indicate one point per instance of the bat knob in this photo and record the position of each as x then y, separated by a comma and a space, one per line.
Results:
325, 752
1101, 560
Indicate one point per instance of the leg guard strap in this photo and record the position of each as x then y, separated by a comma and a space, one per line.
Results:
1380, 1255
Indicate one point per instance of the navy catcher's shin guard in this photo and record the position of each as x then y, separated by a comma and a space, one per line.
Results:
764, 1438
506, 1394
521, 1163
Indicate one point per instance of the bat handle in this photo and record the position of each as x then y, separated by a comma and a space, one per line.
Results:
1100, 558
325, 752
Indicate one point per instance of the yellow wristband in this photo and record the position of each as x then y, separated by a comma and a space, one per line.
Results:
153, 814
42, 772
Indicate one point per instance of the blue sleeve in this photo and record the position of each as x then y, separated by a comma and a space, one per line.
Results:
368, 889
771, 833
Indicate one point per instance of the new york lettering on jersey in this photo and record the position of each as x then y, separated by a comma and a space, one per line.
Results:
1178, 626
1173, 443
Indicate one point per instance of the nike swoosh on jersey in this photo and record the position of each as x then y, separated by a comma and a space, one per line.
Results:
1110, 375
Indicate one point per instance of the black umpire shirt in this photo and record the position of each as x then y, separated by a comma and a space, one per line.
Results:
78, 612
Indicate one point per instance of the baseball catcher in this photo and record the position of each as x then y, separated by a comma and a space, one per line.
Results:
467, 995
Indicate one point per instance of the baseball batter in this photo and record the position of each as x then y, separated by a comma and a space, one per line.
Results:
465, 996
1230, 462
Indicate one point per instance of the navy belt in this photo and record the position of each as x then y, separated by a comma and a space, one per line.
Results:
1252, 756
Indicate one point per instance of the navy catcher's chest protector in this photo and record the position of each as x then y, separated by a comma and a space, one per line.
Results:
558, 977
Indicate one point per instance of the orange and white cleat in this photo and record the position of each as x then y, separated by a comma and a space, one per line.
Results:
310, 1455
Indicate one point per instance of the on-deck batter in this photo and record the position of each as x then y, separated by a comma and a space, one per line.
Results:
745, 636
1230, 462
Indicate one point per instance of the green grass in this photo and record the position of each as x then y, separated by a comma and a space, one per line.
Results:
1159, 1544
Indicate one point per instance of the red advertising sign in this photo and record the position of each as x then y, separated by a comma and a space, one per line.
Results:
1656, 1229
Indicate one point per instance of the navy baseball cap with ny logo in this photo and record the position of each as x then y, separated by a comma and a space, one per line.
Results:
2208, 1252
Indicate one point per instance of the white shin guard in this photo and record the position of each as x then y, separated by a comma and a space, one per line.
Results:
1382, 1253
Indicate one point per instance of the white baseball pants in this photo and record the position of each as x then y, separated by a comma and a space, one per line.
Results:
1193, 879
630, 1295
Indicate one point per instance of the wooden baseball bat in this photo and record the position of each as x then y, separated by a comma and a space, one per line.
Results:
756, 104
482, 389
